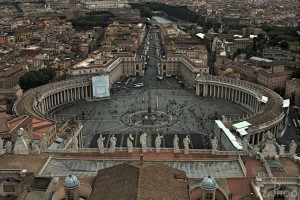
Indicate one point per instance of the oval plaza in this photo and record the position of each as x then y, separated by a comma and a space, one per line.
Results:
266, 110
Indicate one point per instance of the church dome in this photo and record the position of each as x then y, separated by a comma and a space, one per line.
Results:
71, 181
209, 183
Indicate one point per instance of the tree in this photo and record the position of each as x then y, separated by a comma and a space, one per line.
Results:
146, 12
35, 78
284, 45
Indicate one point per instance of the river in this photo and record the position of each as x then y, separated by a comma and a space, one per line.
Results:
163, 20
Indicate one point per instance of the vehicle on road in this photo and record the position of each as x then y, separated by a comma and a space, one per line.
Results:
137, 85
160, 78
295, 124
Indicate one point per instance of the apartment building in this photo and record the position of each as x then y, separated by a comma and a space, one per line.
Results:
271, 74
10, 75
184, 56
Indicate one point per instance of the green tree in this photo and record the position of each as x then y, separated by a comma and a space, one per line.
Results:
284, 44
35, 78
146, 12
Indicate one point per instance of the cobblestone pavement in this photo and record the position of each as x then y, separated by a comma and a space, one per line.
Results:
195, 116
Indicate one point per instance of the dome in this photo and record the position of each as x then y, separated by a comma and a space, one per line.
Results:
71, 181
209, 183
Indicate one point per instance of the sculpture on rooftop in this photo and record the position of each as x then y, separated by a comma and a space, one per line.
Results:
143, 142
268, 146
74, 142
35, 147
2, 151
8, 147
100, 143
186, 143
129, 143
113, 142
158, 142
44, 142
175, 144
293, 148
1, 144
214, 144
21, 145
245, 145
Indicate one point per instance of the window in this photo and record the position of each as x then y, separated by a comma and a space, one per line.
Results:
208, 196
9, 188
70, 195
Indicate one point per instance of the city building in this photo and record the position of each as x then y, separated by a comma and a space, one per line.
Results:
10, 75
292, 91
183, 55
269, 73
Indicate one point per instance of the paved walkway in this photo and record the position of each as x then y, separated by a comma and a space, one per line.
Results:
194, 116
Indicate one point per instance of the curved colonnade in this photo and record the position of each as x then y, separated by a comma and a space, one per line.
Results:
38, 101
266, 116
61, 93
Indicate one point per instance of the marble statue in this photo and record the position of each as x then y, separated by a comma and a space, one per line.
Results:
44, 142
8, 147
129, 143
143, 142
1, 144
175, 144
245, 145
22, 132
158, 142
35, 148
281, 150
214, 144
186, 143
100, 143
293, 148
268, 146
74, 142
2, 151
113, 142
21, 145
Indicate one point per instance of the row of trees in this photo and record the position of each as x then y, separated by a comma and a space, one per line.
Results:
180, 12
278, 34
93, 19
36, 78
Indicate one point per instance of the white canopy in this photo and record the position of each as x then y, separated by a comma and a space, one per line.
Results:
243, 124
286, 103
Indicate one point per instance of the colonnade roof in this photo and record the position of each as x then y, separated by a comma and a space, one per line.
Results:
271, 110
24, 105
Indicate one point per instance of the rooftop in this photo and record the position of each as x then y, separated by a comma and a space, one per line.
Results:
143, 181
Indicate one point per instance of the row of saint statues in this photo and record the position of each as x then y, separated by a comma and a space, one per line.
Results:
23, 145
143, 142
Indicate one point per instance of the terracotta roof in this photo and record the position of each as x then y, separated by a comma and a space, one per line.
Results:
241, 187
17, 121
32, 162
139, 182
290, 168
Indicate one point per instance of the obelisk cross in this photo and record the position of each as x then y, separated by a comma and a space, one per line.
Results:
149, 97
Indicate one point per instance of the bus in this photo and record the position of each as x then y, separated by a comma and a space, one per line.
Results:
295, 123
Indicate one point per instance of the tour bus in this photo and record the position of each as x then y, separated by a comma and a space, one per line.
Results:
295, 124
